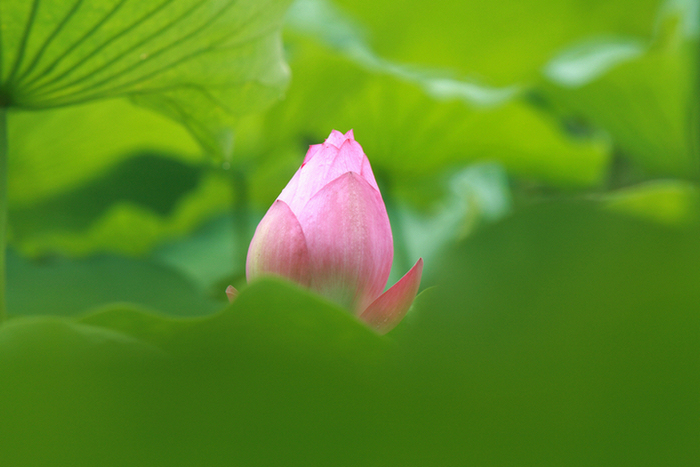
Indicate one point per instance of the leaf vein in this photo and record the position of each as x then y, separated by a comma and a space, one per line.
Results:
101, 47
48, 40
167, 67
123, 54
77, 43
23, 42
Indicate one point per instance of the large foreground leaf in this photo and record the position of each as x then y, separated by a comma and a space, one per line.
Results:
246, 386
565, 335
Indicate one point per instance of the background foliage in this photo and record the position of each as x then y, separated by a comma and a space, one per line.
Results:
542, 157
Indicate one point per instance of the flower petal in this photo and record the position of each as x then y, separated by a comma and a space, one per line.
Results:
336, 138
367, 174
289, 193
391, 306
231, 293
313, 149
349, 241
322, 167
279, 247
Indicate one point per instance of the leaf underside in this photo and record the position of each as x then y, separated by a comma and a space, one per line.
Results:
202, 62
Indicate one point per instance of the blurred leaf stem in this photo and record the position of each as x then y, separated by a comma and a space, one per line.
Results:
3, 208
695, 120
402, 262
241, 213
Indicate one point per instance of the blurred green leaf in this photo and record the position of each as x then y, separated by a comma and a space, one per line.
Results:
643, 92
119, 179
70, 383
564, 335
27, 339
214, 256
411, 138
588, 61
149, 181
477, 195
53, 151
140, 204
65, 287
322, 20
671, 202
203, 63
249, 385
275, 317
141, 324
269, 316
499, 43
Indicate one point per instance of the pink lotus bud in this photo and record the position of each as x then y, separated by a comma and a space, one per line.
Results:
329, 231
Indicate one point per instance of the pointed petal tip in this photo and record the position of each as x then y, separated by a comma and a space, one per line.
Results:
389, 308
231, 293
336, 138
313, 150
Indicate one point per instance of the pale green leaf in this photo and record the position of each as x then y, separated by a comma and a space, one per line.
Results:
671, 202
498, 43
411, 137
642, 91
202, 62
54, 150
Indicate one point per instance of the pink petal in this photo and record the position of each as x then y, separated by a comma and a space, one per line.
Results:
289, 193
367, 174
390, 308
349, 241
325, 165
359, 162
231, 293
279, 247
309, 179
336, 138
313, 149
350, 158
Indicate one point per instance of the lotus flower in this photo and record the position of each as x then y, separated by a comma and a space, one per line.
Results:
329, 231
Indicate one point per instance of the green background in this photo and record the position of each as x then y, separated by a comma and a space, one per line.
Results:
542, 157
